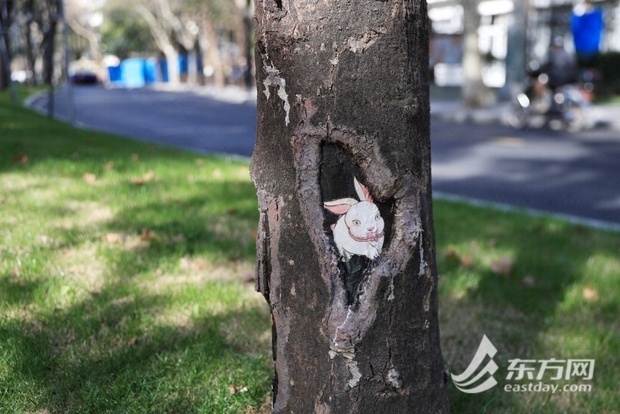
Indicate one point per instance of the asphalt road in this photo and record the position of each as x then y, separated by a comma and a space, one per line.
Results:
570, 174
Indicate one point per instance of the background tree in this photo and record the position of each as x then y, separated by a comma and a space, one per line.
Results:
475, 92
155, 13
49, 23
6, 12
344, 94
124, 34
77, 15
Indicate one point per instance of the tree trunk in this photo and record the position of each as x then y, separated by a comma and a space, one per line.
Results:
30, 45
343, 143
163, 41
210, 48
5, 52
475, 93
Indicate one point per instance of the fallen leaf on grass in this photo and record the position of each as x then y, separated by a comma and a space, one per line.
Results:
233, 389
89, 178
194, 264
20, 159
502, 266
113, 237
589, 294
147, 235
143, 179
462, 259
466, 260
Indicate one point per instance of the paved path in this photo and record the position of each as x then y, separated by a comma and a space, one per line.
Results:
178, 119
571, 174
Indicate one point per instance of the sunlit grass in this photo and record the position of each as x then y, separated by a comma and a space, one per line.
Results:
125, 276
539, 288
126, 284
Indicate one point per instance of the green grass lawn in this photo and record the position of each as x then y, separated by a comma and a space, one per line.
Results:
126, 284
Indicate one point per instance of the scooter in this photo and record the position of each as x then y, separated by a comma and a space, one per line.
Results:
539, 106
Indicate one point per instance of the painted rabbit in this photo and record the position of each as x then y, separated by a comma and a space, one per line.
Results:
359, 229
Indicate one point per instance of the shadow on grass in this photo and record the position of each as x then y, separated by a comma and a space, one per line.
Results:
510, 278
101, 316
70, 361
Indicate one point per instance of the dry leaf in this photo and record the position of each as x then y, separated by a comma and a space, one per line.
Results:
466, 261
133, 341
20, 159
502, 266
194, 264
452, 255
233, 389
89, 178
147, 235
589, 294
113, 237
144, 178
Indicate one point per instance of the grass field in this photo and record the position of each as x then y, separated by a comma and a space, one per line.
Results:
126, 284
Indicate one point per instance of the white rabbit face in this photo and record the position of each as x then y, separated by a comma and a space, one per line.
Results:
364, 221
359, 230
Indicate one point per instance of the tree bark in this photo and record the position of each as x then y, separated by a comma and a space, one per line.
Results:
475, 93
210, 48
343, 96
162, 39
5, 47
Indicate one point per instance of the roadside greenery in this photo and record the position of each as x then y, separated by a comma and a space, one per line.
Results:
126, 284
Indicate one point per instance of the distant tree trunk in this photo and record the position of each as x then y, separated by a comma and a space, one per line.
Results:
210, 48
475, 92
163, 41
343, 97
243, 38
49, 41
5, 51
30, 46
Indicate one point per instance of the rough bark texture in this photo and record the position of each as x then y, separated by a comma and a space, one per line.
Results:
343, 93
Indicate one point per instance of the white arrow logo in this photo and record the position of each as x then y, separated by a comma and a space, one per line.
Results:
466, 382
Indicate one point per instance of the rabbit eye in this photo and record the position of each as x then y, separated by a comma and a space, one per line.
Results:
377, 217
356, 222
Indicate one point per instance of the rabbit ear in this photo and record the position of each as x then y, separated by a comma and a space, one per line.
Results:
362, 191
340, 206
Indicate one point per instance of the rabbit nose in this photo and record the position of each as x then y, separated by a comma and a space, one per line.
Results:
371, 228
